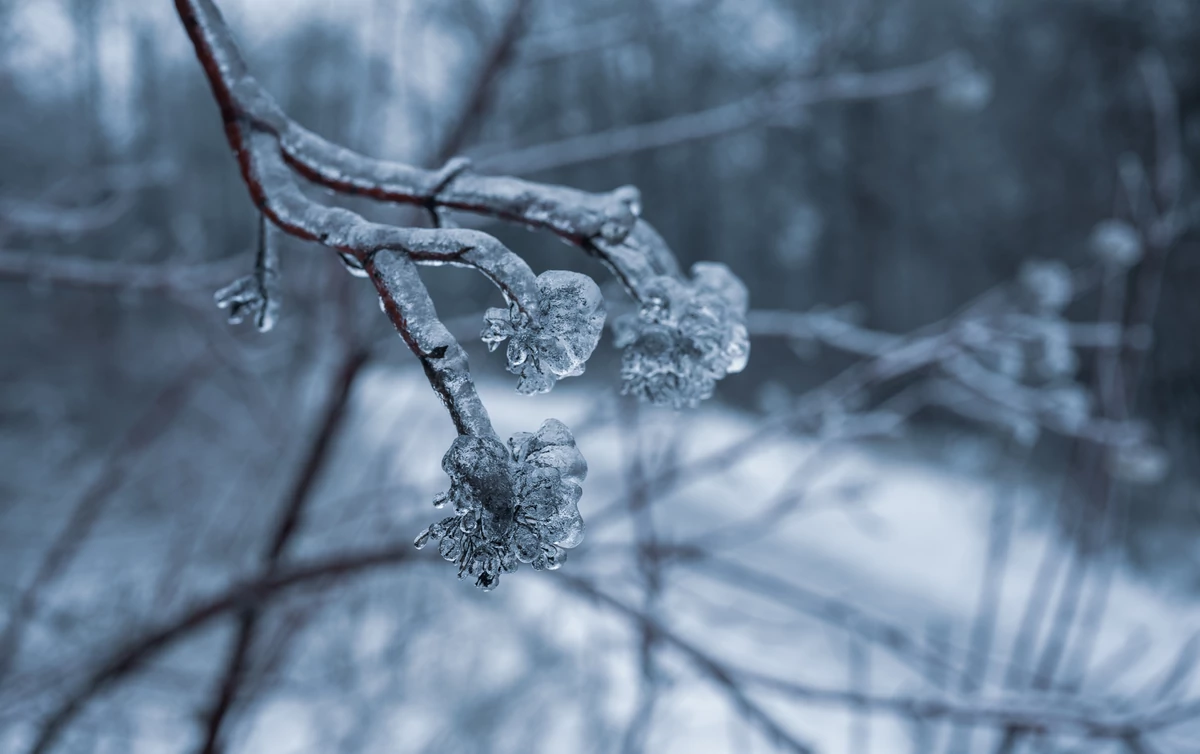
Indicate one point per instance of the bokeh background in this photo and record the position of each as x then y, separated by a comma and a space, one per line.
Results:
950, 506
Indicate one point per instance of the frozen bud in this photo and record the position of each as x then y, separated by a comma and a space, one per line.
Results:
685, 337
1116, 243
965, 85
1047, 283
515, 504
1139, 464
556, 338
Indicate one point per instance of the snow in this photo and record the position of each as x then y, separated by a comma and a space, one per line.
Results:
525, 667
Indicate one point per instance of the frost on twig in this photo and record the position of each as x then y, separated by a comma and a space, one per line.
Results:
256, 295
685, 337
511, 505
556, 339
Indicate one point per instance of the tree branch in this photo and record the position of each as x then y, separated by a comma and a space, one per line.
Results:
148, 644
753, 111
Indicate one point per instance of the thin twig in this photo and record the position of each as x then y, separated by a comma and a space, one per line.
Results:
148, 644
287, 525
157, 418
755, 110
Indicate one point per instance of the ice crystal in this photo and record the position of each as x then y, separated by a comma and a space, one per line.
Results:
556, 339
685, 337
511, 505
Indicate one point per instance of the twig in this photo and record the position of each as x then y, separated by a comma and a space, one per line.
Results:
148, 644
351, 367
750, 112
649, 565
720, 676
149, 425
81, 272
1030, 715
285, 528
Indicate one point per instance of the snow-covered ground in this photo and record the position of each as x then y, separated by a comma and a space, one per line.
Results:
410, 659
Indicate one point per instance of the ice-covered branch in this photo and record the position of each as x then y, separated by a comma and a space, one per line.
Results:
689, 332
256, 295
81, 272
1008, 358
408, 306
577, 216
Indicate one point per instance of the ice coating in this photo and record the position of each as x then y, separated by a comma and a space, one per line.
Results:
686, 336
512, 505
557, 337
249, 297
257, 295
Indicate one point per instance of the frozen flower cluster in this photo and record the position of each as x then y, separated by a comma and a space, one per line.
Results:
556, 339
685, 337
512, 505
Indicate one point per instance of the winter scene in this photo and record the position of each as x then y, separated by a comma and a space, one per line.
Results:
599, 376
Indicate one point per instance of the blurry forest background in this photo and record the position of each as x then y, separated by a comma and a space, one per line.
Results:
992, 552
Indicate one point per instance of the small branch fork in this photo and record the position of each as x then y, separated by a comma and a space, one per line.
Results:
272, 150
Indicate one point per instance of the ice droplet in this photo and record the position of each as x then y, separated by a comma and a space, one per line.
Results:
449, 549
